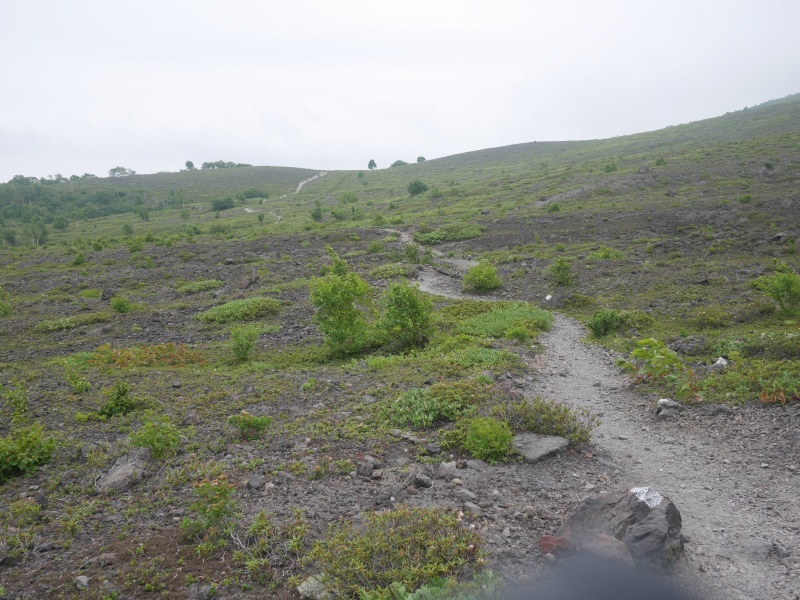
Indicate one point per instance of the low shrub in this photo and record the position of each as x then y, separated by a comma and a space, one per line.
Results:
449, 233
607, 321
247, 309
405, 546
546, 417
406, 318
160, 435
482, 277
271, 547
213, 509
440, 403
248, 426
489, 439
121, 304
711, 317
606, 253
651, 360
24, 449
771, 381
513, 321
66, 323
392, 271
169, 354
202, 285
417, 187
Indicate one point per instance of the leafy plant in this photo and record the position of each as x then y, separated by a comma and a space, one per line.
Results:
489, 439
514, 321
407, 546
606, 253
16, 399
482, 277
449, 233
784, 288
607, 321
271, 548
440, 403
78, 384
391, 271
652, 360
249, 426
159, 434
243, 339
336, 298
213, 509
118, 401
247, 309
24, 449
406, 318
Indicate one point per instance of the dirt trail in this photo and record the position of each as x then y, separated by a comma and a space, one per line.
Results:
733, 475
309, 180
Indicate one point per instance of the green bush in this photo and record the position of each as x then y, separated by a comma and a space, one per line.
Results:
784, 288
406, 318
249, 426
243, 339
417, 187
489, 439
121, 304
560, 272
546, 417
652, 360
202, 285
221, 204
24, 449
440, 403
118, 401
482, 277
78, 260
406, 546
711, 317
335, 298
160, 435
392, 271
510, 321
5, 309
247, 309
376, 248
607, 321
449, 233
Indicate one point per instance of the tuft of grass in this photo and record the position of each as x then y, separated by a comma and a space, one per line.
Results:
66, 323
202, 285
508, 321
449, 233
547, 417
247, 309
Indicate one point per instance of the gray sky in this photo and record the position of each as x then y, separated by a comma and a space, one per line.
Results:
89, 85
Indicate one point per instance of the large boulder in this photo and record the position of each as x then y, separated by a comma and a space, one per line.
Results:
126, 472
648, 523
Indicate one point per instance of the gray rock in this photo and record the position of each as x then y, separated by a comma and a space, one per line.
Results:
720, 364
432, 449
476, 464
649, 524
670, 404
368, 399
312, 587
447, 471
365, 469
282, 477
473, 509
126, 472
689, 346
256, 482
422, 481
81, 582
464, 495
535, 447
201, 592
397, 459
667, 413
191, 418
176, 384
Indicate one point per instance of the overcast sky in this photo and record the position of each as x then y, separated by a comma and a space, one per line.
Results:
88, 85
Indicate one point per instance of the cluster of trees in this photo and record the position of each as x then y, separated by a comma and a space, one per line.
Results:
398, 163
49, 180
350, 323
217, 164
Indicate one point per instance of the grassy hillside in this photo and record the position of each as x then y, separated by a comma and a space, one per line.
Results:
108, 343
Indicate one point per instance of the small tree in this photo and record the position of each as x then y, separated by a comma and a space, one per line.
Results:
60, 223
120, 172
417, 187
420, 159
399, 163
482, 277
336, 297
784, 288
372, 164
190, 165
406, 315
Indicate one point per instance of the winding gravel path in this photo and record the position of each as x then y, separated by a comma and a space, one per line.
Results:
731, 472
